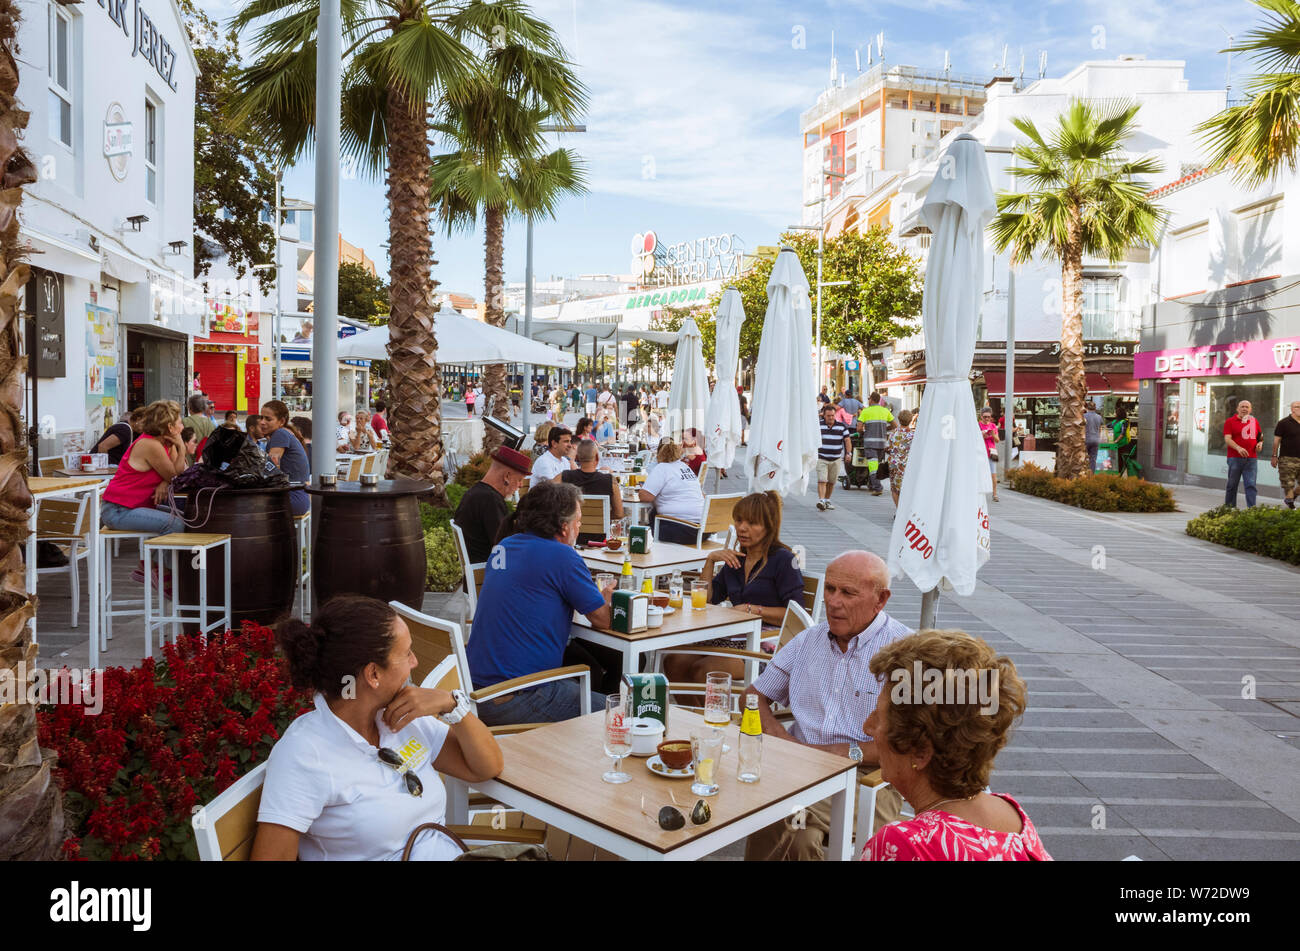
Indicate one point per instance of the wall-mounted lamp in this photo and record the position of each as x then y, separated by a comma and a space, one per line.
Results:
177, 247
136, 221
94, 243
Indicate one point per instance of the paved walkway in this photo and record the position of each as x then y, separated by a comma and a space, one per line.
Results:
1135, 666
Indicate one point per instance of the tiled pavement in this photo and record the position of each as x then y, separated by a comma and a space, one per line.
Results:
1135, 671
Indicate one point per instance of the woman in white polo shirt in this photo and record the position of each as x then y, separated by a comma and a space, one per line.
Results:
674, 490
351, 779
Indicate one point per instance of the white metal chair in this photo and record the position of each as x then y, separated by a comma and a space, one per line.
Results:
716, 517
472, 571
814, 594
110, 539
303, 524
67, 522
355, 468
49, 464
198, 545
595, 515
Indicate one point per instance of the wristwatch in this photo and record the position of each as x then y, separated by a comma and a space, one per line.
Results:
855, 752
454, 716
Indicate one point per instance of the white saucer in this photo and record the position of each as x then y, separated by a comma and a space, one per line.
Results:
656, 766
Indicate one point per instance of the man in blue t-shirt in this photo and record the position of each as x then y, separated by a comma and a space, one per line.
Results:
533, 583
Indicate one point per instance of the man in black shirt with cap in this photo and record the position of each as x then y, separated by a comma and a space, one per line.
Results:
483, 507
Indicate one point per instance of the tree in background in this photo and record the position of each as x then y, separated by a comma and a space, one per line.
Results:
882, 299
31, 807
1260, 136
1086, 198
491, 125
362, 295
230, 169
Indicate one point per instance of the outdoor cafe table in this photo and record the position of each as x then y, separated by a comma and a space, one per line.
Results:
68, 488
664, 558
552, 773
81, 474
686, 625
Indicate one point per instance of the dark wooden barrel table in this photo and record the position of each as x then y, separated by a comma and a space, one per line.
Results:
369, 540
263, 553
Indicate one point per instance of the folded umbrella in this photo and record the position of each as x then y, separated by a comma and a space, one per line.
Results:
722, 419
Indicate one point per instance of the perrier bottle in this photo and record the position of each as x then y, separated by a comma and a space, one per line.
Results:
749, 759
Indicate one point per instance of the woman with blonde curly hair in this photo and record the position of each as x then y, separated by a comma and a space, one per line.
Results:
945, 710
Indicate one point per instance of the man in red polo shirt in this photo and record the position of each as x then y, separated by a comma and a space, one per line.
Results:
1243, 437
377, 421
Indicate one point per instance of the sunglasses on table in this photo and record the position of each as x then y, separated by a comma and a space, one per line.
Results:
390, 758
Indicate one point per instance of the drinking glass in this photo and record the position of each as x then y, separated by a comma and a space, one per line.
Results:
706, 750
604, 580
717, 702
618, 735
699, 595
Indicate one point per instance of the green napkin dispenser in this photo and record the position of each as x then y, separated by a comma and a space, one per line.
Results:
649, 693
639, 539
630, 611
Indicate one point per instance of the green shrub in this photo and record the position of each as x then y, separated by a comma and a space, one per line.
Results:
1100, 492
1268, 530
473, 469
442, 565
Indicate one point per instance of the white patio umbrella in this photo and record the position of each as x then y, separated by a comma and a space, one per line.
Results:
783, 433
689, 396
461, 340
941, 533
722, 420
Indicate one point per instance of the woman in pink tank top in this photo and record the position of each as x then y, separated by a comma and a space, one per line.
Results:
150, 463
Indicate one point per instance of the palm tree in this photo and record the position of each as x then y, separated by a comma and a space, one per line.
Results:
493, 128
1262, 134
31, 808
1086, 199
399, 57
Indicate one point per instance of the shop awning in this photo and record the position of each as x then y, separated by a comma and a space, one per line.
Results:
1037, 383
62, 257
904, 380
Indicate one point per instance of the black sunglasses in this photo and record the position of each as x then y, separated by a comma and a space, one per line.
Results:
413, 784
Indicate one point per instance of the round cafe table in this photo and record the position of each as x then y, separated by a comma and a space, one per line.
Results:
369, 540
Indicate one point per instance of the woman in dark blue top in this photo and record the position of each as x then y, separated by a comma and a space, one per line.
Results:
286, 449
759, 578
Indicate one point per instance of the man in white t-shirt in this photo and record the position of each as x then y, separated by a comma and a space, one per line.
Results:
555, 460
661, 399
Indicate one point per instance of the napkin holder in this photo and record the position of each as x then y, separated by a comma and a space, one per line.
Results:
629, 611
640, 541
649, 693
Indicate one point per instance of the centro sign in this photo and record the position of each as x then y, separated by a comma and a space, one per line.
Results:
713, 258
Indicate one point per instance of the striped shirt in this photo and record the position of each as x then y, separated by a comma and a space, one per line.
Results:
830, 693
833, 437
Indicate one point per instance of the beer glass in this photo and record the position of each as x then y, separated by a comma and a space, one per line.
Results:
618, 735
717, 702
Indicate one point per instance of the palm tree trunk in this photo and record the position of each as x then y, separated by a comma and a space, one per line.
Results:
1072, 383
416, 417
494, 376
31, 806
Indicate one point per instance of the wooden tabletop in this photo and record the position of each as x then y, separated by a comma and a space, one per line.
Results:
684, 620
36, 485
561, 763
662, 555
82, 474
186, 540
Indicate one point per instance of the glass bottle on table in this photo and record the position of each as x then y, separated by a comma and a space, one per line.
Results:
675, 590
627, 580
749, 758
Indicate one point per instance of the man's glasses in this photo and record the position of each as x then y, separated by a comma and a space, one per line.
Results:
413, 784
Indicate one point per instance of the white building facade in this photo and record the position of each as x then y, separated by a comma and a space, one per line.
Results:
110, 88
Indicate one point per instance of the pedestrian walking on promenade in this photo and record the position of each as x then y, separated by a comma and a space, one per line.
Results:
1243, 438
900, 444
874, 423
1092, 423
836, 444
989, 430
1286, 454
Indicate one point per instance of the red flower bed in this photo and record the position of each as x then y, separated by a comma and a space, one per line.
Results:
172, 734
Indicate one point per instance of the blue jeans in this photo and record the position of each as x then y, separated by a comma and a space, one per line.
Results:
549, 703
145, 519
1092, 456
1241, 470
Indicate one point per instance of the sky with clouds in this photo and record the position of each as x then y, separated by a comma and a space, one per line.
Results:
693, 127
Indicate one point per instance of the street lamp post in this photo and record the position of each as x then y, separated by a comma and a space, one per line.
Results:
527, 396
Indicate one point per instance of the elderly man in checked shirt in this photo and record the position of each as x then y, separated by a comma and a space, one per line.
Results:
823, 675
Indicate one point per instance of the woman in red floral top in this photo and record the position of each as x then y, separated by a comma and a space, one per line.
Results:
936, 740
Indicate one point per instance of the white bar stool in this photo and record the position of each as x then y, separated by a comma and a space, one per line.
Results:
116, 607
198, 544
303, 525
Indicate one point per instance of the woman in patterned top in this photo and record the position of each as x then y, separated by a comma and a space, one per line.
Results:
896, 450
938, 751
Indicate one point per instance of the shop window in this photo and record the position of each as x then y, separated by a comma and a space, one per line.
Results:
1259, 240
151, 151
60, 76
1265, 397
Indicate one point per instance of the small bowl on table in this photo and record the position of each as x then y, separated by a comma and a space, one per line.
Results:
675, 754
614, 544
659, 599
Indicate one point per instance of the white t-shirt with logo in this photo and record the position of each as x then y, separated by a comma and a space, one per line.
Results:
676, 490
325, 781
547, 467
